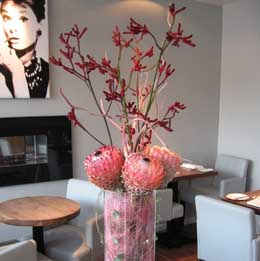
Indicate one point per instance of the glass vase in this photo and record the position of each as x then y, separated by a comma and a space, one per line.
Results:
129, 226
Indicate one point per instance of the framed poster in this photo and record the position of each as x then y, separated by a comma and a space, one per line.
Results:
24, 49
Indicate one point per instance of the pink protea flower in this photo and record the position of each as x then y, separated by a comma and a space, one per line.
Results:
103, 166
170, 160
142, 173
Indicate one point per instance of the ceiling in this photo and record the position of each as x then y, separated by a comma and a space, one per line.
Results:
216, 2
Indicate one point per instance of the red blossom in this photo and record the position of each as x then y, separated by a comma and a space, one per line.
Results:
169, 71
82, 65
72, 117
134, 28
173, 11
162, 66
119, 40
147, 138
138, 67
177, 37
55, 61
113, 94
149, 53
176, 107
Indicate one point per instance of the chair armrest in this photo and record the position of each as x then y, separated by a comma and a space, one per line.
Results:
93, 238
234, 184
25, 250
256, 249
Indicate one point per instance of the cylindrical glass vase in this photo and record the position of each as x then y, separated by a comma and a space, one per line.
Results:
129, 226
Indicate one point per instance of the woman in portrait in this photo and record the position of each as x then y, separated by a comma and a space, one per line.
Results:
25, 74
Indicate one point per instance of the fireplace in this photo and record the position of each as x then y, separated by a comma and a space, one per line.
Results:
35, 149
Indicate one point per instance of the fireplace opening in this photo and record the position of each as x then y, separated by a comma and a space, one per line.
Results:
35, 149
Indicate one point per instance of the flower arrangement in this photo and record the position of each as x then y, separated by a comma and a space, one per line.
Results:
138, 167
129, 174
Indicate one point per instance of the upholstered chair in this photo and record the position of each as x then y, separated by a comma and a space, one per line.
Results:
226, 231
24, 251
232, 174
166, 208
79, 239
169, 218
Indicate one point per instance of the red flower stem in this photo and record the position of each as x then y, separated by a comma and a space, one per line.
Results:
155, 40
137, 98
88, 83
90, 134
77, 122
81, 56
162, 49
155, 88
123, 100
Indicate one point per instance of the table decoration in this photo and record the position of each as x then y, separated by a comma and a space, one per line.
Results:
129, 174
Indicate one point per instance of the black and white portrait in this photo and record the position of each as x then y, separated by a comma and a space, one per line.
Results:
24, 52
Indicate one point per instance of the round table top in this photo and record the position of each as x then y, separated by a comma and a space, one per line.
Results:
38, 211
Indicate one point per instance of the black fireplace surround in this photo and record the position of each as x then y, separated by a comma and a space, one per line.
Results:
35, 149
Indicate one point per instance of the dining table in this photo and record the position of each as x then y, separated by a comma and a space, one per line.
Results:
188, 174
38, 212
170, 239
250, 199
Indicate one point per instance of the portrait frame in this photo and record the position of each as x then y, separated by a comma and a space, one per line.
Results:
24, 49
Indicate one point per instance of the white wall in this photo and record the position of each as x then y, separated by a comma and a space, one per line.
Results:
196, 82
239, 125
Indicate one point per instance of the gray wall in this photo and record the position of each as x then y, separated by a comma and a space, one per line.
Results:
196, 82
239, 125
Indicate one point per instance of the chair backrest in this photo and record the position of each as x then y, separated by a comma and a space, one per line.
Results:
25, 250
90, 198
225, 230
230, 166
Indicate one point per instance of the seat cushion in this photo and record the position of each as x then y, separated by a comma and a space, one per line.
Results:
177, 210
66, 242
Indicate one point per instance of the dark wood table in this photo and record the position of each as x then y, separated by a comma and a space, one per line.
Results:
184, 173
38, 212
175, 227
188, 174
243, 203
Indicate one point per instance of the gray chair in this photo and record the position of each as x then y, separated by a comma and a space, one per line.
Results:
226, 231
232, 172
24, 251
166, 208
79, 239
169, 219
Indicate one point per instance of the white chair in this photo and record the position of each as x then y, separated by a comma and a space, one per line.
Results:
225, 231
24, 251
169, 217
232, 172
78, 240
166, 208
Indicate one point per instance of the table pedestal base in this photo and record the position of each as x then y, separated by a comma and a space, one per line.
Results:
39, 238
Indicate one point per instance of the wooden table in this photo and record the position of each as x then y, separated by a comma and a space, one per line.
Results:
184, 173
38, 212
187, 174
170, 239
243, 203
